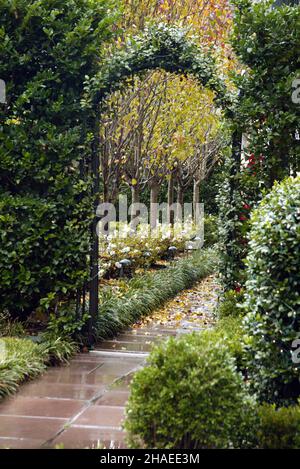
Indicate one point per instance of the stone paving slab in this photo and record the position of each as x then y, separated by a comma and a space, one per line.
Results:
102, 416
36, 428
75, 406
60, 391
41, 407
117, 398
19, 443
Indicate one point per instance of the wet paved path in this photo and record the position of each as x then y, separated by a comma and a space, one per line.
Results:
82, 405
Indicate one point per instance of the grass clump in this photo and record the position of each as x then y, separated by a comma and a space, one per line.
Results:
57, 349
10, 327
20, 359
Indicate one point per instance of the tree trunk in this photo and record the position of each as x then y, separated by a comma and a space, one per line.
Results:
196, 199
180, 201
135, 194
154, 191
135, 199
171, 199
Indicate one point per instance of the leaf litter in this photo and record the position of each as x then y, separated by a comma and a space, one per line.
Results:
193, 309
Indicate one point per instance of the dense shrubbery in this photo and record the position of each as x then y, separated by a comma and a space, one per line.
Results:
231, 332
278, 428
272, 292
183, 396
210, 230
266, 40
141, 295
42, 259
189, 396
230, 304
47, 48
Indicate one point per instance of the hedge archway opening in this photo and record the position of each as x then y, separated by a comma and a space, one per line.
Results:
161, 46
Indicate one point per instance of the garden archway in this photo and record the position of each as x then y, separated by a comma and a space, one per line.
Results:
161, 46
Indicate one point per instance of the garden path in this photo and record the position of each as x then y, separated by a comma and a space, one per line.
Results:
81, 405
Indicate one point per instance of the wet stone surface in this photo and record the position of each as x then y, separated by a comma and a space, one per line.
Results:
82, 405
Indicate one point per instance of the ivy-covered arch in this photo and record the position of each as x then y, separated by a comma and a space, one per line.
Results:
160, 46
164, 47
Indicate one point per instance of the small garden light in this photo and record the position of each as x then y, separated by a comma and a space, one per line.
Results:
125, 269
171, 252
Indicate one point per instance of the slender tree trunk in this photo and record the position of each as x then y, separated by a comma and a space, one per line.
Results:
196, 198
135, 199
180, 194
171, 199
180, 201
154, 191
135, 194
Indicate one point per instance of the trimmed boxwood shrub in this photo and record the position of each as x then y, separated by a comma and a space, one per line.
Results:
272, 292
190, 396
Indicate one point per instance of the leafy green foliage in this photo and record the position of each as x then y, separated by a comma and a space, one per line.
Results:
43, 255
65, 324
231, 332
22, 359
57, 349
266, 41
144, 294
210, 230
272, 291
46, 50
231, 228
189, 396
278, 428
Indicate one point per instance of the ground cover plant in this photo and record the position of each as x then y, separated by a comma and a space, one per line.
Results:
22, 359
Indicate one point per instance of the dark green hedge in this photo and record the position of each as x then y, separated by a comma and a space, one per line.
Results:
47, 48
272, 292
